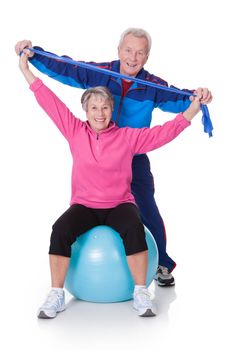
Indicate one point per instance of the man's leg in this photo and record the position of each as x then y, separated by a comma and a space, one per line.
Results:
143, 190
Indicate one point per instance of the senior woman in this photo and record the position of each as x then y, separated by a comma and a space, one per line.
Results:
101, 177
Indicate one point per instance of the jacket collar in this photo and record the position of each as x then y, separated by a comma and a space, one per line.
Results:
115, 66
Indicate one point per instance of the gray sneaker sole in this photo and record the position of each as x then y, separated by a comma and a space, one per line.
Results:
148, 313
43, 315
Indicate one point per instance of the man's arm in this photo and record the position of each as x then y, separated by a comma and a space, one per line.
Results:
177, 102
61, 71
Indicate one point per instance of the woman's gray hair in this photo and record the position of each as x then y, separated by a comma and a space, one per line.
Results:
138, 33
96, 91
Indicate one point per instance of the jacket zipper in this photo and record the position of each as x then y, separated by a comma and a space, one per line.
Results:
121, 102
97, 145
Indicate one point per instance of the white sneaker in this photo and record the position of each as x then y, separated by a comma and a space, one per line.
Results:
142, 303
54, 303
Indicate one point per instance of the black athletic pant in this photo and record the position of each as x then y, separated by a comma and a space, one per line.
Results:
78, 219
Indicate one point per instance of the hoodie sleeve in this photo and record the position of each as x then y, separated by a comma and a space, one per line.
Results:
63, 118
144, 140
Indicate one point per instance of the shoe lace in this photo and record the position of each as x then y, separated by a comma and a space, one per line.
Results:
53, 300
164, 270
143, 297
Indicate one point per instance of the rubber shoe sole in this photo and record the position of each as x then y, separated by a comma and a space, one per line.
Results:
43, 315
148, 313
165, 284
145, 312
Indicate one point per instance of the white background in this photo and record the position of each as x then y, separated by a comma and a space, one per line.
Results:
192, 46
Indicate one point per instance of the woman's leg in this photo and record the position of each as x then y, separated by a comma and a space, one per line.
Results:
75, 221
125, 219
58, 269
138, 264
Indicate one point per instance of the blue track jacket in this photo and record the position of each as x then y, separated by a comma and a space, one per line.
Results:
135, 108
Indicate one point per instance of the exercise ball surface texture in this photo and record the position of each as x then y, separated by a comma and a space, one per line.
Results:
98, 270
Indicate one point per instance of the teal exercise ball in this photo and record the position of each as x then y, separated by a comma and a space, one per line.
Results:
98, 269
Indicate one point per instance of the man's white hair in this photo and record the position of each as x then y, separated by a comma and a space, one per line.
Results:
138, 33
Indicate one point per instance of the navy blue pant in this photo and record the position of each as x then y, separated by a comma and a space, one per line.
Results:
142, 188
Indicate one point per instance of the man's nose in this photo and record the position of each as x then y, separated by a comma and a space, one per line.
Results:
133, 56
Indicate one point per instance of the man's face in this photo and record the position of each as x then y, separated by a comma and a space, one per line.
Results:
99, 113
132, 54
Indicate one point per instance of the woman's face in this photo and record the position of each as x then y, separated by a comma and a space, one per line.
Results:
99, 113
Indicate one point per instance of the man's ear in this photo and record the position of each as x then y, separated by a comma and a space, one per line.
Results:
118, 50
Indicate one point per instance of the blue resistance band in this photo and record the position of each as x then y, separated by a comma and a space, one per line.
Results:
206, 121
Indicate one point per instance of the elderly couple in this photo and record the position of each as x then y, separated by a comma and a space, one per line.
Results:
111, 179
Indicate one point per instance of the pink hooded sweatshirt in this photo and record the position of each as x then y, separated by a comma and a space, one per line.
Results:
102, 174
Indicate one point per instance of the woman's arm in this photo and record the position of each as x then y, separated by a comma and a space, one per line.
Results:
24, 67
145, 140
51, 104
194, 107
